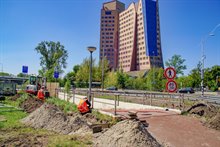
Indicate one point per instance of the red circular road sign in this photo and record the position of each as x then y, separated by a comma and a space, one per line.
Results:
171, 86
170, 73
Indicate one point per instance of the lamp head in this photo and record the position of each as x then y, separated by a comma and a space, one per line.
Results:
91, 48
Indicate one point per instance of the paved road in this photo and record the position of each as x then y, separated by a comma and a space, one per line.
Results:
212, 97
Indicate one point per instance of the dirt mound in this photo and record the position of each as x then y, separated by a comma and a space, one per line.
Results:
31, 104
25, 140
51, 118
215, 122
15, 97
203, 109
126, 133
210, 112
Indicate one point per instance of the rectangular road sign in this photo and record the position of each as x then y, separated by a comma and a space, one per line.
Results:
25, 69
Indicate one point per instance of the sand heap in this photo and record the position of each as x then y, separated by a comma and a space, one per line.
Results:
51, 118
125, 134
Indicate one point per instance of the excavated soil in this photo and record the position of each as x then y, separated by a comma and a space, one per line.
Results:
25, 141
125, 134
203, 109
31, 104
215, 122
15, 97
52, 118
210, 112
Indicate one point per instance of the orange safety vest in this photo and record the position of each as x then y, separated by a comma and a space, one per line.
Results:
40, 94
82, 107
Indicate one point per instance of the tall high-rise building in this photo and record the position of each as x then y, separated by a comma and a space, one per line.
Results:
109, 31
139, 46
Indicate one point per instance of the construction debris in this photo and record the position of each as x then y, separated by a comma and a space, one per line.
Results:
126, 133
132, 115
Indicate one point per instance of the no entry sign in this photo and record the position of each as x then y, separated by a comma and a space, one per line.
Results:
170, 73
171, 86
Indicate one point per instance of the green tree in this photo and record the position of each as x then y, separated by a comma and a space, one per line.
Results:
177, 62
184, 81
4, 74
67, 86
22, 75
98, 73
210, 77
82, 76
53, 54
76, 68
195, 76
111, 79
120, 79
155, 79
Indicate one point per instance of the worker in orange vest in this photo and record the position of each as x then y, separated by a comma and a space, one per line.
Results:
84, 106
40, 93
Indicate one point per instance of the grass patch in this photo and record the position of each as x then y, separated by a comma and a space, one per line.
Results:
104, 118
13, 128
70, 140
16, 103
63, 105
12, 117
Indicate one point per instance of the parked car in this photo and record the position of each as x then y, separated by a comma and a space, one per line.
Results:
112, 88
186, 90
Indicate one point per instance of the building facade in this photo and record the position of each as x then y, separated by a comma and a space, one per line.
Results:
139, 42
109, 32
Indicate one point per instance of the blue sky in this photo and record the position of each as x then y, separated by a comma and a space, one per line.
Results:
76, 23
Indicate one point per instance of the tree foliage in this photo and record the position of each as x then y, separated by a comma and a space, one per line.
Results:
195, 76
155, 79
177, 62
4, 74
53, 54
22, 75
111, 79
210, 77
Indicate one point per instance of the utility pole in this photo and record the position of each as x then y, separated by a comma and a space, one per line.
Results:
202, 70
212, 33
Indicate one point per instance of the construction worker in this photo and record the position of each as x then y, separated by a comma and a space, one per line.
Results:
40, 93
84, 106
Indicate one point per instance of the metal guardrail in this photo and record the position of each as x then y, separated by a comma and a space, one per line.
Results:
174, 100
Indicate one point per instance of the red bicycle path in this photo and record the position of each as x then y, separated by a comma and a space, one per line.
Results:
176, 130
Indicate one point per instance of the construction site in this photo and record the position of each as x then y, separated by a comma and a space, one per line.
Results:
27, 119
134, 95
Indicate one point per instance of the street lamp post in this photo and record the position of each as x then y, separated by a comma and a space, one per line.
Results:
91, 49
203, 55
